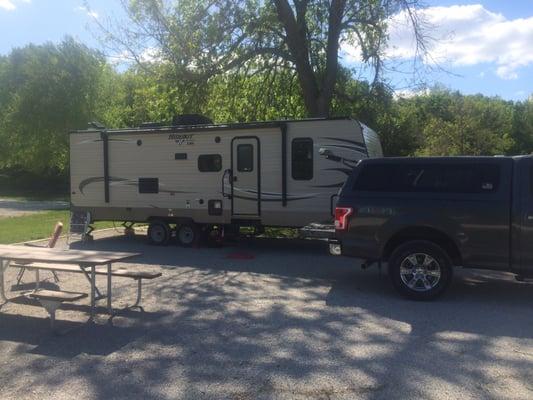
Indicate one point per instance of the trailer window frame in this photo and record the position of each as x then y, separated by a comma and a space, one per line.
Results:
302, 169
213, 165
148, 185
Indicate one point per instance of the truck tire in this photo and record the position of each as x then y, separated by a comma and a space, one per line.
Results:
420, 270
158, 233
187, 234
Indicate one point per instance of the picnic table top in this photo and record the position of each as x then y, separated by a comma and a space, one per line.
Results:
61, 256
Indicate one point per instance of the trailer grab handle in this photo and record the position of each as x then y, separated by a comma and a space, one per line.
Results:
226, 173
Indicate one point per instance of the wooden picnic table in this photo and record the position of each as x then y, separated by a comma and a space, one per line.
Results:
87, 260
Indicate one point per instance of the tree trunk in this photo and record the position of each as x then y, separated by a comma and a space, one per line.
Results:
297, 43
317, 98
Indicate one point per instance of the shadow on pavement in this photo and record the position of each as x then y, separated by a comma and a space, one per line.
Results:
293, 322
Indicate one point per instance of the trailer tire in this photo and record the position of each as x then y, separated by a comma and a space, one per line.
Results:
187, 234
158, 233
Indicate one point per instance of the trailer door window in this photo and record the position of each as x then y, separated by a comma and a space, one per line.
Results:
245, 158
210, 163
302, 159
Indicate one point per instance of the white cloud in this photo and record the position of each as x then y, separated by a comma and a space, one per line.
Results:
10, 5
151, 55
88, 11
411, 92
7, 5
468, 35
126, 59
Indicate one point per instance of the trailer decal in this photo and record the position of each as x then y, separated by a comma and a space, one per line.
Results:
124, 182
271, 196
333, 185
274, 200
341, 146
359, 144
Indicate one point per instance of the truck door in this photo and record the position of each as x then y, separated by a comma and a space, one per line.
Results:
246, 178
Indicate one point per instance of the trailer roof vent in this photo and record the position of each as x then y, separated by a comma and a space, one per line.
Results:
191, 119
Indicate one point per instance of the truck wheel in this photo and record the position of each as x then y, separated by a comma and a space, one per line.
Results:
158, 233
187, 234
420, 270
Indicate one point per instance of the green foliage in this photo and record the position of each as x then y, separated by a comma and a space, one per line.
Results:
241, 98
202, 39
522, 131
449, 123
45, 91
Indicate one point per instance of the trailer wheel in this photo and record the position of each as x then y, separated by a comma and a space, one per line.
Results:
158, 233
187, 234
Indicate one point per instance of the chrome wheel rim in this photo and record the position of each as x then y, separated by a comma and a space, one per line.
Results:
420, 272
157, 233
186, 235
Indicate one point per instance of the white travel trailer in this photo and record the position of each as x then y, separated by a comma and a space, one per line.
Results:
208, 177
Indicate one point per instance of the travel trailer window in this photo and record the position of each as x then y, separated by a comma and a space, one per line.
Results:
302, 159
148, 185
210, 163
245, 158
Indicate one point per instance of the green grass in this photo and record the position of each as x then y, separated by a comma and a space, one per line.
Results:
36, 226
35, 197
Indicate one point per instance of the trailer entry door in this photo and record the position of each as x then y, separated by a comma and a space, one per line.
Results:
246, 181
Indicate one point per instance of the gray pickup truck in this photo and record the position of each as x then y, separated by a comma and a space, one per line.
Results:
425, 216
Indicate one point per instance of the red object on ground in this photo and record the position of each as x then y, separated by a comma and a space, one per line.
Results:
240, 256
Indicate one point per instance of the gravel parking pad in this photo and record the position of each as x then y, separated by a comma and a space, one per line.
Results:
290, 323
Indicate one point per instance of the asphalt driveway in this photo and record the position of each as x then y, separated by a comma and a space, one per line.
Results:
273, 319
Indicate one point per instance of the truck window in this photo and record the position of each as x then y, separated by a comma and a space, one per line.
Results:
245, 158
302, 159
436, 178
209, 163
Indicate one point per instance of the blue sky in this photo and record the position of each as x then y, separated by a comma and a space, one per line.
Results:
484, 46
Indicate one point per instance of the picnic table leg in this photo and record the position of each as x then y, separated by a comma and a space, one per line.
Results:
2, 289
109, 305
93, 290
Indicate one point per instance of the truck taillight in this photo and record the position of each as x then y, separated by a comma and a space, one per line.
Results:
342, 215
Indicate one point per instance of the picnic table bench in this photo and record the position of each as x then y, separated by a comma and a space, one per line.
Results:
134, 273
89, 262
51, 300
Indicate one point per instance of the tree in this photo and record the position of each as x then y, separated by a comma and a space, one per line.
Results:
522, 131
205, 38
454, 124
45, 91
